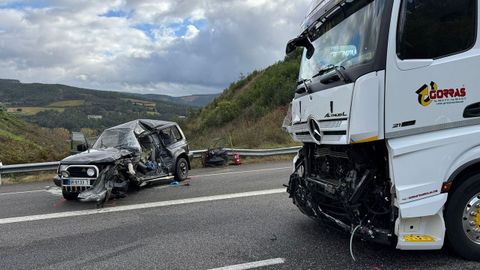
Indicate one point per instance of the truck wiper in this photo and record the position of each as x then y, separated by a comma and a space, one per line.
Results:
302, 81
340, 70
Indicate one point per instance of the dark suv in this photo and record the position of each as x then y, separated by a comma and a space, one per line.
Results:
132, 154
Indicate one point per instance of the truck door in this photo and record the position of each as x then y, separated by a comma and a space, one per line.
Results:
432, 66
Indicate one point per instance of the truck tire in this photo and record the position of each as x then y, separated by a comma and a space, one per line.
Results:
181, 170
69, 196
462, 219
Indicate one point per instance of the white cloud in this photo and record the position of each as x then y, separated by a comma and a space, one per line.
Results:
191, 32
171, 46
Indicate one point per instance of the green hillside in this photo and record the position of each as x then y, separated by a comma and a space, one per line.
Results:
250, 112
21, 142
62, 106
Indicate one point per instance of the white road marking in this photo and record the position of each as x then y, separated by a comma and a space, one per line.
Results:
21, 192
55, 191
140, 206
252, 265
253, 171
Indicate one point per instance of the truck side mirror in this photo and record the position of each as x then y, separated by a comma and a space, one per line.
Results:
82, 147
301, 41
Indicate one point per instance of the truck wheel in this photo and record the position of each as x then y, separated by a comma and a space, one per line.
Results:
69, 196
181, 170
462, 219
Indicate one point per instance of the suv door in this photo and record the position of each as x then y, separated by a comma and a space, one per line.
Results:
174, 142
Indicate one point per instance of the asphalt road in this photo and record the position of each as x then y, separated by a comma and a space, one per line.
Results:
188, 227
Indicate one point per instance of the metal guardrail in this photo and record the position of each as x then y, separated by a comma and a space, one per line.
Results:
51, 166
265, 152
25, 168
253, 152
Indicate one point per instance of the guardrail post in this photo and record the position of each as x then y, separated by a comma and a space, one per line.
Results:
1, 173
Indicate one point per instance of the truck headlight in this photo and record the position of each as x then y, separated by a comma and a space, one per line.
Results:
91, 172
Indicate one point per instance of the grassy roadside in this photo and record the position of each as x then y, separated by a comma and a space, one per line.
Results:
21, 142
250, 112
26, 178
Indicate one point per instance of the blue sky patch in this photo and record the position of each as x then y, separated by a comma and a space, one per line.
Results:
200, 24
147, 29
116, 14
181, 28
20, 5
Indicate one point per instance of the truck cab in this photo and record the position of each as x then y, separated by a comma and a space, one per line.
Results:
388, 111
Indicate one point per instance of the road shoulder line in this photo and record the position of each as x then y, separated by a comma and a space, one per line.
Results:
252, 265
139, 206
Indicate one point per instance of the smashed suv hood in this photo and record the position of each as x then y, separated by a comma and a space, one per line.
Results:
109, 155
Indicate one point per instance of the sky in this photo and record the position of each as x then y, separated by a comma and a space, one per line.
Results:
172, 47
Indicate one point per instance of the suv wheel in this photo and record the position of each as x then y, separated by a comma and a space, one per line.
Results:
462, 218
181, 171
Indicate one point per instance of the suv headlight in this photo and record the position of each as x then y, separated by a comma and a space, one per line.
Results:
91, 172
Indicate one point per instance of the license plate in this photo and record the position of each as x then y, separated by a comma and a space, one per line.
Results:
76, 182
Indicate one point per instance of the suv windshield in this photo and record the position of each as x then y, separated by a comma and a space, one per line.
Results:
117, 138
347, 38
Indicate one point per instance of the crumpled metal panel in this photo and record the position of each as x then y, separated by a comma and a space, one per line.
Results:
102, 156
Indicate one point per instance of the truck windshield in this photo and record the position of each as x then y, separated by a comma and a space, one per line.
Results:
122, 138
346, 38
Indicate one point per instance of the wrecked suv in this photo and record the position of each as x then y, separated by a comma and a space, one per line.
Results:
133, 154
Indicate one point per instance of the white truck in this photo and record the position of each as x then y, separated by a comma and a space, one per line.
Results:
388, 110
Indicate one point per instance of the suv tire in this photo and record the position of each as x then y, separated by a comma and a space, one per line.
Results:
181, 170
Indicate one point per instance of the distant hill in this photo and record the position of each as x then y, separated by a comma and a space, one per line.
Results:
63, 106
193, 100
21, 142
250, 112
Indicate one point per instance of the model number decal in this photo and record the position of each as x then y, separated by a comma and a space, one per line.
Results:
405, 124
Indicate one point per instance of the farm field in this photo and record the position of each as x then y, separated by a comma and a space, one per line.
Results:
29, 111
67, 103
